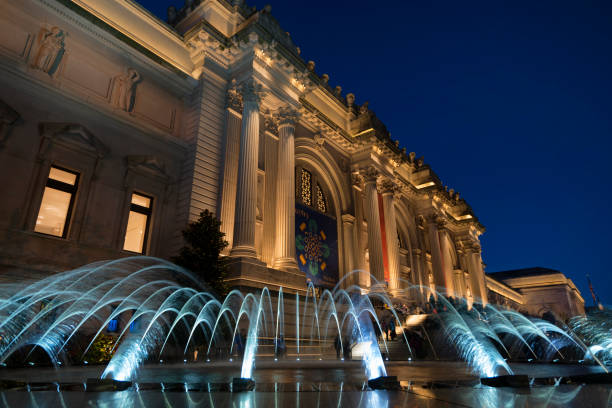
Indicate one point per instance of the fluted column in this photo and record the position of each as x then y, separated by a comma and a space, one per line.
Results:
361, 278
284, 257
417, 268
474, 280
389, 192
348, 226
480, 274
436, 254
447, 267
377, 268
230, 164
246, 197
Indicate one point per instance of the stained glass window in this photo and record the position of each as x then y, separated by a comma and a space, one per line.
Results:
321, 202
306, 187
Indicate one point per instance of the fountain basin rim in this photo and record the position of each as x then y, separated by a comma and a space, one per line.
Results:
384, 383
513, 381
240, 384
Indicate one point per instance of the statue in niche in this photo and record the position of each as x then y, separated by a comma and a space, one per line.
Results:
50, 50
124, 89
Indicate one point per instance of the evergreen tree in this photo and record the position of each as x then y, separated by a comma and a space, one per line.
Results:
204, 241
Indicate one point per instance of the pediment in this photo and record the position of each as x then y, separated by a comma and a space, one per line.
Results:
74, 135
147, 164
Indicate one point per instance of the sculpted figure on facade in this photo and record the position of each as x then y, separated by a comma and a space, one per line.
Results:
319, 140
124, 89
50, 50
171, 15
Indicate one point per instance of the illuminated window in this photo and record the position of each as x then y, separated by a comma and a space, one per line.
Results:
321, 202
306, 187
138, 224
57, 202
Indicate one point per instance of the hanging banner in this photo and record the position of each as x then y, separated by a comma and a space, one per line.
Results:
316, 244
383, 236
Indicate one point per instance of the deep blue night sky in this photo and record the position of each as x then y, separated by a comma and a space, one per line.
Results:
509, 102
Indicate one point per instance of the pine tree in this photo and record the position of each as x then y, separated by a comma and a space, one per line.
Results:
204, 241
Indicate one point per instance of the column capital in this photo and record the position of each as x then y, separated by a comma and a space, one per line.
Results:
348, 219
286, 116
356, 180
436, 219
252, 91
369, 174
388, 187
233, 99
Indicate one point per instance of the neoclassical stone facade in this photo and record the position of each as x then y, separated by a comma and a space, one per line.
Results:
117, 129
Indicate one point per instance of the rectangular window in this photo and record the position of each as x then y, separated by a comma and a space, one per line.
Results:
57, 202
138, 224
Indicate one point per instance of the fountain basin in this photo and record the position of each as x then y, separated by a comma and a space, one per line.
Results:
106, 384
514, 381
384, 383
242, 384
594, 378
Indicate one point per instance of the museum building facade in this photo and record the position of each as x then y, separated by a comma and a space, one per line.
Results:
117, 129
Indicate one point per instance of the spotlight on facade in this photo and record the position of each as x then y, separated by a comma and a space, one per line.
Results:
242, 384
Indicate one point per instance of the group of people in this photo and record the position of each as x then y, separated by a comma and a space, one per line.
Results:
388, 328
343, 346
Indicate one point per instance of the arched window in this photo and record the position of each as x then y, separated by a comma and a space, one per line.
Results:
321, 201
306, 187
309, 191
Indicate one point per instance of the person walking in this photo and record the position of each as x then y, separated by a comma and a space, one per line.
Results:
338, 346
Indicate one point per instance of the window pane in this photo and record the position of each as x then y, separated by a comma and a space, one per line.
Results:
63, 176
135, 233
53, 212
141, 200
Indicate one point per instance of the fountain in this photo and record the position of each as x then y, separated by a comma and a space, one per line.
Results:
161, 313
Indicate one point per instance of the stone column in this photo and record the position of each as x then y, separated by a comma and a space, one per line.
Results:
230, 164
389, 191
436, 254
246, 198
348, 231
377, 269
447, 267
480, 277
361, 278
474, 281
284, 256
417, 274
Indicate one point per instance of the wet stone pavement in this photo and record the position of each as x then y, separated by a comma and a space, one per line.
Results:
301, 384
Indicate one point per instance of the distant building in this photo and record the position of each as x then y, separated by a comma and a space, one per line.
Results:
536, 291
